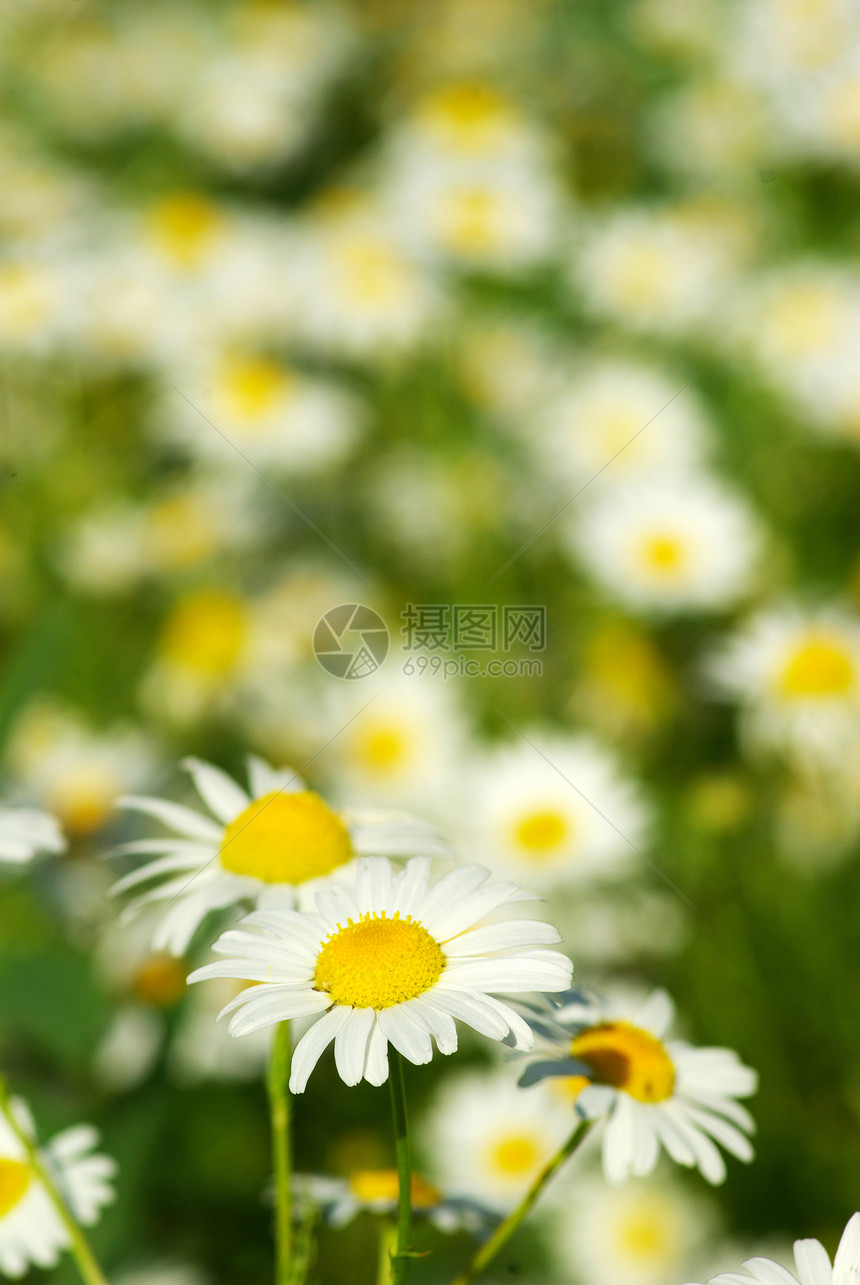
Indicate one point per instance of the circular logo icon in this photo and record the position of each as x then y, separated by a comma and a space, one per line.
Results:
351, 641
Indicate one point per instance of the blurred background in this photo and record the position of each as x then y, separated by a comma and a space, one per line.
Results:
479, 302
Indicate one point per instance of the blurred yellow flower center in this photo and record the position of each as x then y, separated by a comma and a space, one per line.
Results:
180, 531
206, 634
818, 668
664, 554
617, 431
471, 220
515, 1156
251, 390
627, 1058
640, 276
371, 272
382, 748
541, 832
468, 116
804, 320
14, 1180
643, 1238
160, 981
83, 798
378, 961
183, 227
286, 838
383, 1184
25, 298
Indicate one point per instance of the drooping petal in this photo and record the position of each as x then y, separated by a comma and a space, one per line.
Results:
313, 1044
223, 797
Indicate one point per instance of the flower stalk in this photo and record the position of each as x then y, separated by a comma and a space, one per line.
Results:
400, 1254
279, 1108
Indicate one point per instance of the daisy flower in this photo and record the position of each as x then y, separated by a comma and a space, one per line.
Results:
390, 960
375, 1191
797, 672
651, 1091
686, 543
30, 1228
24, 832
486, 1139
812, 1264
261, 846
526, 821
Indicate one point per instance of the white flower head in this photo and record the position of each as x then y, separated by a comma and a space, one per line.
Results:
25, 832
261, 847
391, 959
31, 1231
681, 544
375, 1191
653, 1093
812, 1263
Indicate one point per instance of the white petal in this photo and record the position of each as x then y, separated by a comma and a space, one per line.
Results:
511, 934
225, 799
813, 1264
441, 1025
408, 1035
376, 1066
468, 1008
618, 1138
271, 1005
313, 1044
544, 971
174, 815
768, 1272
350, 1045
848, 1253
264, 779
152, 869
656, 1014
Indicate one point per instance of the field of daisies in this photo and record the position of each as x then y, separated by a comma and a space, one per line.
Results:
430, 642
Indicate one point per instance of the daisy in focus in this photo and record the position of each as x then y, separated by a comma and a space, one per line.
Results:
683, 544
797, 672
653, 1093
812, 1264
375, 1191
536, 816
391, 959
25, 832
31, 1232
263, 846
487, 1140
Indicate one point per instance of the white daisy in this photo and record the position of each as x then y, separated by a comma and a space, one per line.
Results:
260, 847
652, 1092
24, 832
488, 1140
375, 1191
812, 1264
797, 672
390, 960
530, 823
31, 1231
684, 543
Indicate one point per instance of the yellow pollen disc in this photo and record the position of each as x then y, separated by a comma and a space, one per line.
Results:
160, 982
251, 390
515, 1156
83, 799
205, 633
818, 668
540, 833
378, 962
643, 1238
468, 116
627, 1058
15, 1178
382, 748
663, 554
286, 838
183, 227
383, 1184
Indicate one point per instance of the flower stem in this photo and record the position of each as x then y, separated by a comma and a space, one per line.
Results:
487, 1252
387, 1245
79, 1246
279, 1107
400, 1254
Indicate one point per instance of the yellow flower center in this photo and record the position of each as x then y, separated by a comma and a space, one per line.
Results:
819, 668
183, 227
160, 981
371, 273
83, 798
252, 389
383, 1184
286, 838
181, 531
467, 116
471, 220
640, 276
378, 961
15, 1178
627, 1058
664, 554
515, 1156
539, 833
382, 749
804, 320
644, 1239
206, 634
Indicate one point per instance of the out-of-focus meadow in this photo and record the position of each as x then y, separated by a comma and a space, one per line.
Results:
473, 303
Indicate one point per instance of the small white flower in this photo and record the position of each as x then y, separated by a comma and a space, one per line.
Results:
259, 847
651, 1091
392, 959
685, 543
375, 1191
30, 1228
488, 1140
812, 1264
24, 832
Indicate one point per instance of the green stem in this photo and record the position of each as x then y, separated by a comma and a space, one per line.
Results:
79, 1247
487, 1252
400, 1255
387, 1247
279, 1106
